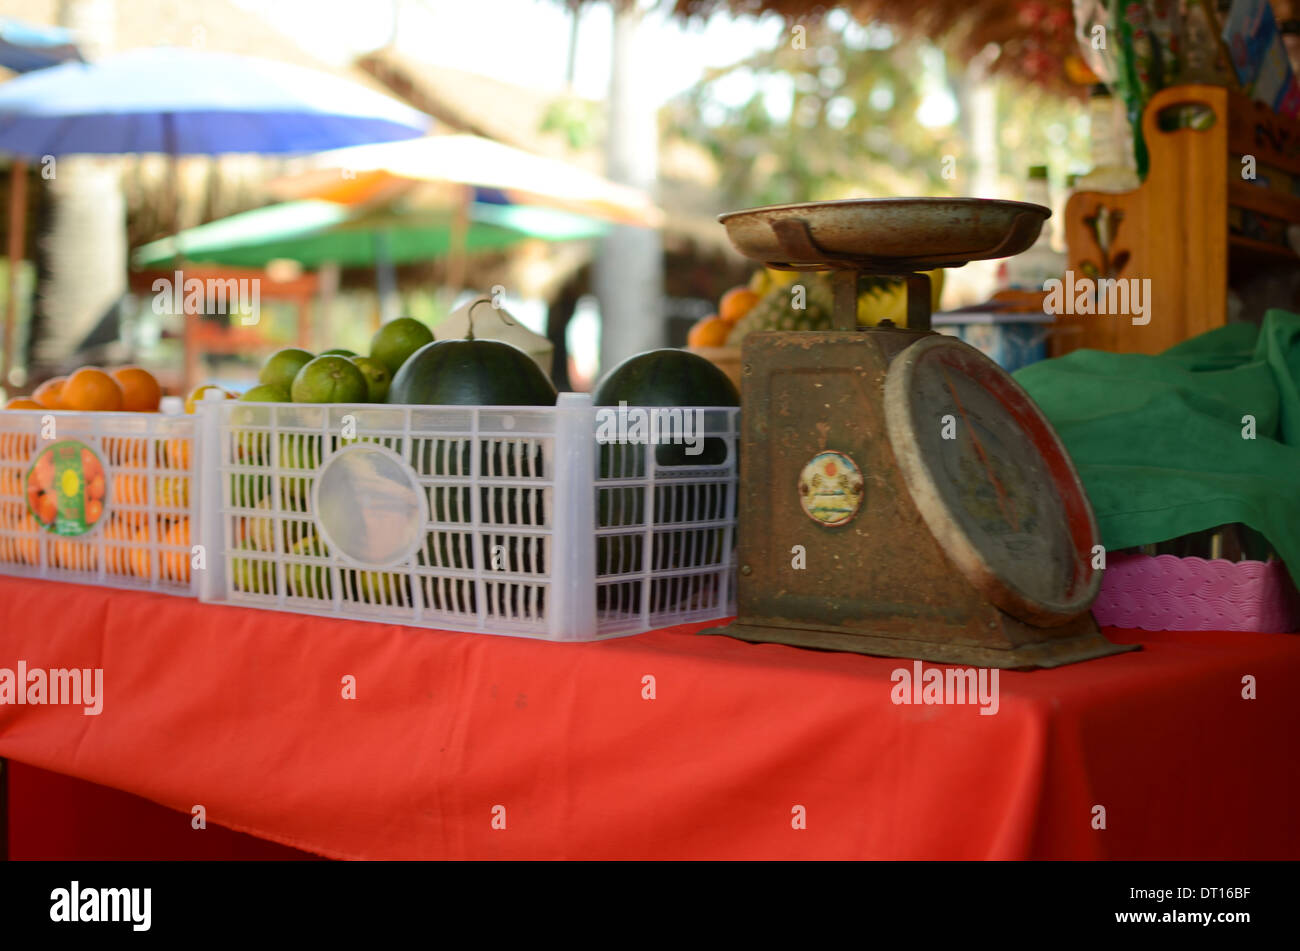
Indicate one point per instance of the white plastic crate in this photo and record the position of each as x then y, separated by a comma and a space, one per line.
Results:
506, 520
143, 505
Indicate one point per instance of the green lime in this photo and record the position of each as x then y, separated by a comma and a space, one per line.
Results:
251, 446
397, 340
282, 366
330, 380
338, 352
377, 376
267, 393
309, 581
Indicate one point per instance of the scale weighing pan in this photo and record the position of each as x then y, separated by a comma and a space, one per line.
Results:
884, 235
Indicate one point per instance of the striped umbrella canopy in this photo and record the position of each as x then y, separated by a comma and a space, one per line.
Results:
314, 233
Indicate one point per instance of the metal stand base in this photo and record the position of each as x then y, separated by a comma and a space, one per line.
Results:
1080, 640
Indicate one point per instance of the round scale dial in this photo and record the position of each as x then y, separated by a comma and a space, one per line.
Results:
992, 481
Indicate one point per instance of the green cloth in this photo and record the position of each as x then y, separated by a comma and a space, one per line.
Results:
1158, 439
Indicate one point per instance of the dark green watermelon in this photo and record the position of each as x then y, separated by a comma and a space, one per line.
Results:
666, 377
660, 378
471, 373
474, 372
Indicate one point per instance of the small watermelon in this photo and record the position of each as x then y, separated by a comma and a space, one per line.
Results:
670, 377
471, 373
658, 378
666, 377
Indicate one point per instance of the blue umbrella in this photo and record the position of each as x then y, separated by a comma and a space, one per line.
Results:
189, 102
24, 47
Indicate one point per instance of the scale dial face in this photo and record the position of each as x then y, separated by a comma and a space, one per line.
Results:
992, 481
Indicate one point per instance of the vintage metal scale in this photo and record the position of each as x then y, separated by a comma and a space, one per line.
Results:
900, 494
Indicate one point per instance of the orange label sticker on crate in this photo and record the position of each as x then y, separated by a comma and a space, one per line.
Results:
67, 488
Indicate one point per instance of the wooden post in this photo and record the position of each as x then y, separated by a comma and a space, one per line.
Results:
17, 232
457, 253
304, 323
385, 278
329, 275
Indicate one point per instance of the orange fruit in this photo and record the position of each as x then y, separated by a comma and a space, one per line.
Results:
172, 565
94, 509
130, 489
22, 402
74, 555
736, 303
709, 332
118, 558
174, 454
125, 452
176, 564
139, 554
140, 390
42, 476
90, 389
90, 466
50, 393
17, 447
198, 393
11, 482
24, 550
46, 508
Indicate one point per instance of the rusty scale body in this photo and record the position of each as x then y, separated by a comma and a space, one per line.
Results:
899, 493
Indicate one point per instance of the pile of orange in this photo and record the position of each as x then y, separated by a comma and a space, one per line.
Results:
22, 550
91, 389
142, 544
712, 331
127, 538
135, 558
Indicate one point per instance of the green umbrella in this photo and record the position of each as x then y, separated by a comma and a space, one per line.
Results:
315, 233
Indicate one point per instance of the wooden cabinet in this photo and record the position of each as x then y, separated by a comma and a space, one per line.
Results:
1181, 234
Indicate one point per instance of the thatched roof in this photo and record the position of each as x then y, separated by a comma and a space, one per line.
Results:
1035, 37
515, 115
477, 103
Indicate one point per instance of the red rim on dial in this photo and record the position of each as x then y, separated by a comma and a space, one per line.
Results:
992, 481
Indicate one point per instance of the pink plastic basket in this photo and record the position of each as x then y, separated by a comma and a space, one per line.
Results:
1166, 593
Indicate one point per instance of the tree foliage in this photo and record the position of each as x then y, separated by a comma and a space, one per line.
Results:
832, 116
839, 118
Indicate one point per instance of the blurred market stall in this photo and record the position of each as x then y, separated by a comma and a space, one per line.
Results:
357, 175
315, 233
187, 102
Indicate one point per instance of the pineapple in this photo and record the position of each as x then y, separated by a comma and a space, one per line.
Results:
878, 298
776, 310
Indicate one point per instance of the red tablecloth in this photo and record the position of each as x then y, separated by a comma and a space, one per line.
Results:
242, 711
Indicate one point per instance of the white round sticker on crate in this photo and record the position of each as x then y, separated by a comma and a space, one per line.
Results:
369, 506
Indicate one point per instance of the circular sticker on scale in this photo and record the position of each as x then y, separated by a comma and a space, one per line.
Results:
831, 488
66, 488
